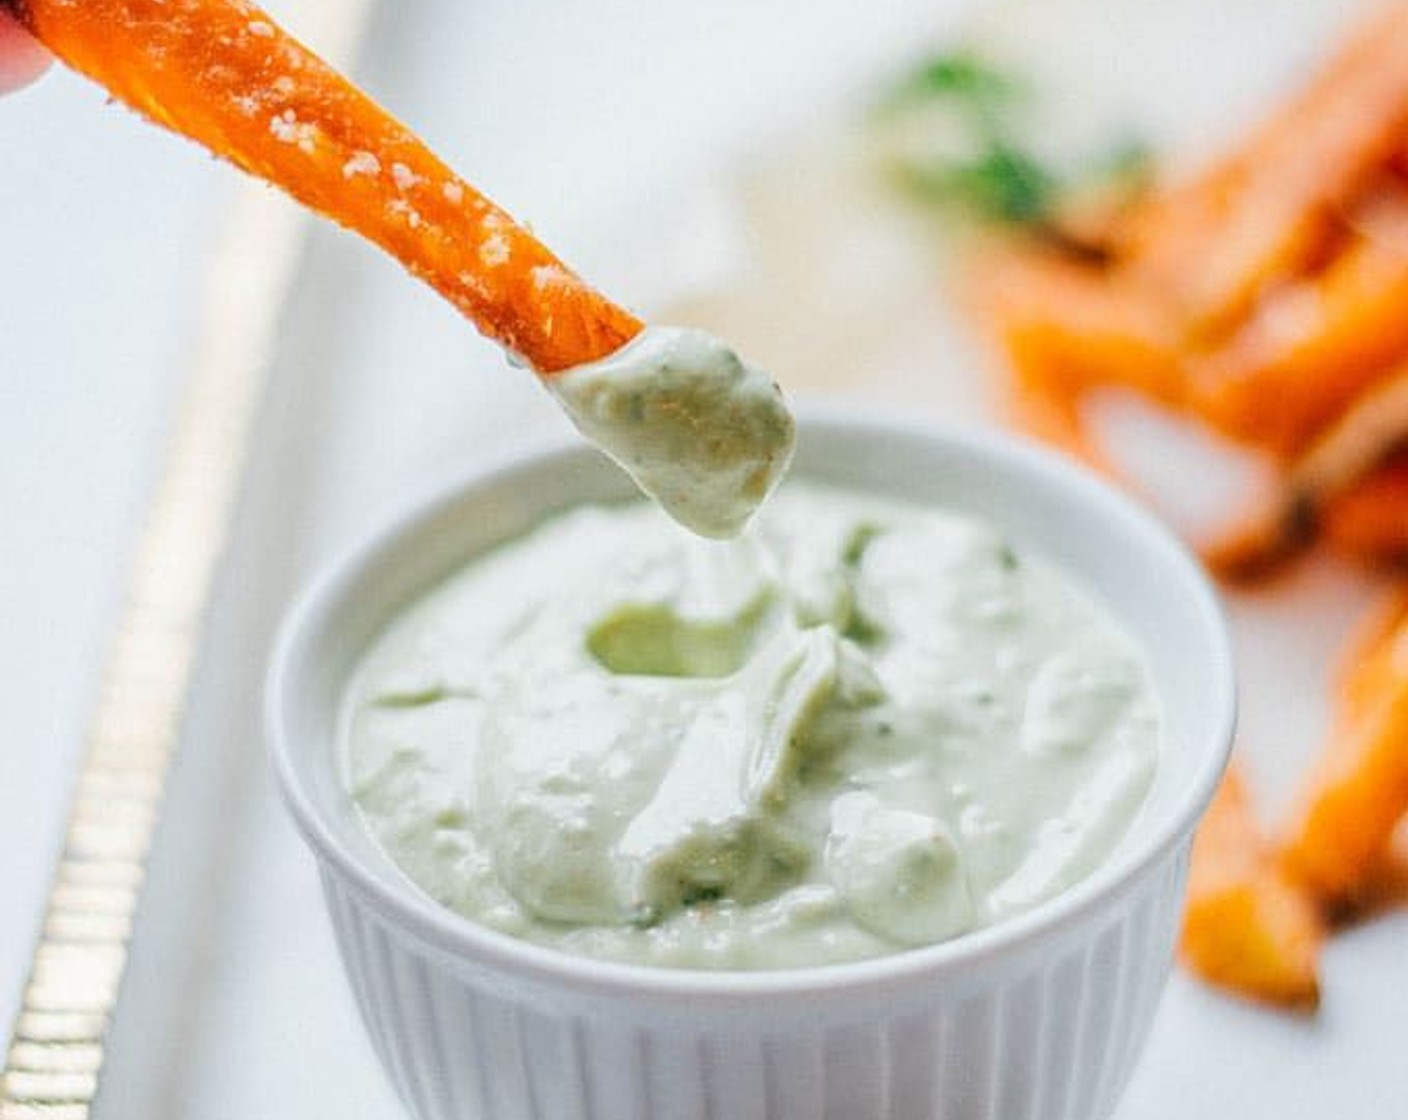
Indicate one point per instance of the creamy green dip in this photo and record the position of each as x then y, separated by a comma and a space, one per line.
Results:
860, 727
703, 433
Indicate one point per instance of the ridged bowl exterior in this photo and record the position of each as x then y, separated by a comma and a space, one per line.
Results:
1039, 1017
1051, 1036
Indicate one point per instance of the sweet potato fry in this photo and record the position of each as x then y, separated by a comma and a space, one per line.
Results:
1369, 643
1064, 329
1315, 343
1370, 521
1386, 888
1248, 927
1346, 487
1268, 211
1269, 297
1052, 415
223, 73
1363, 438
1065, 325
1358, 790
1278, 527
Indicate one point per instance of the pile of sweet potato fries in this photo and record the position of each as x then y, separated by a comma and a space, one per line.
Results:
1266, 298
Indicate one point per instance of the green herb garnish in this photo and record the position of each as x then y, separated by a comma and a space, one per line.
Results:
959, 75
1002, 183
956, 130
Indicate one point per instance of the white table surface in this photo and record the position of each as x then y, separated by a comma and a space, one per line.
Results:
102, 227
235, 1004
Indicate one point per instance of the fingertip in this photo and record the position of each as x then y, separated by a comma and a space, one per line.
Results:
22, 57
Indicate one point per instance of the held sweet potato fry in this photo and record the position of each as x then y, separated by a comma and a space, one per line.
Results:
1247, 927
1358, 790
225, 74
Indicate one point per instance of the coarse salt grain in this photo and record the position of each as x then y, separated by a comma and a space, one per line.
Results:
473, 284
361, 163
284, 126
403, 209
494, 251
403, 176
545, 275
453, 192
288, 129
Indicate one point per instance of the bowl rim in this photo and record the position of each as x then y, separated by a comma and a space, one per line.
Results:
443, 929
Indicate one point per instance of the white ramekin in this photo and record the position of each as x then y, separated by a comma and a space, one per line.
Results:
1040, 1017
